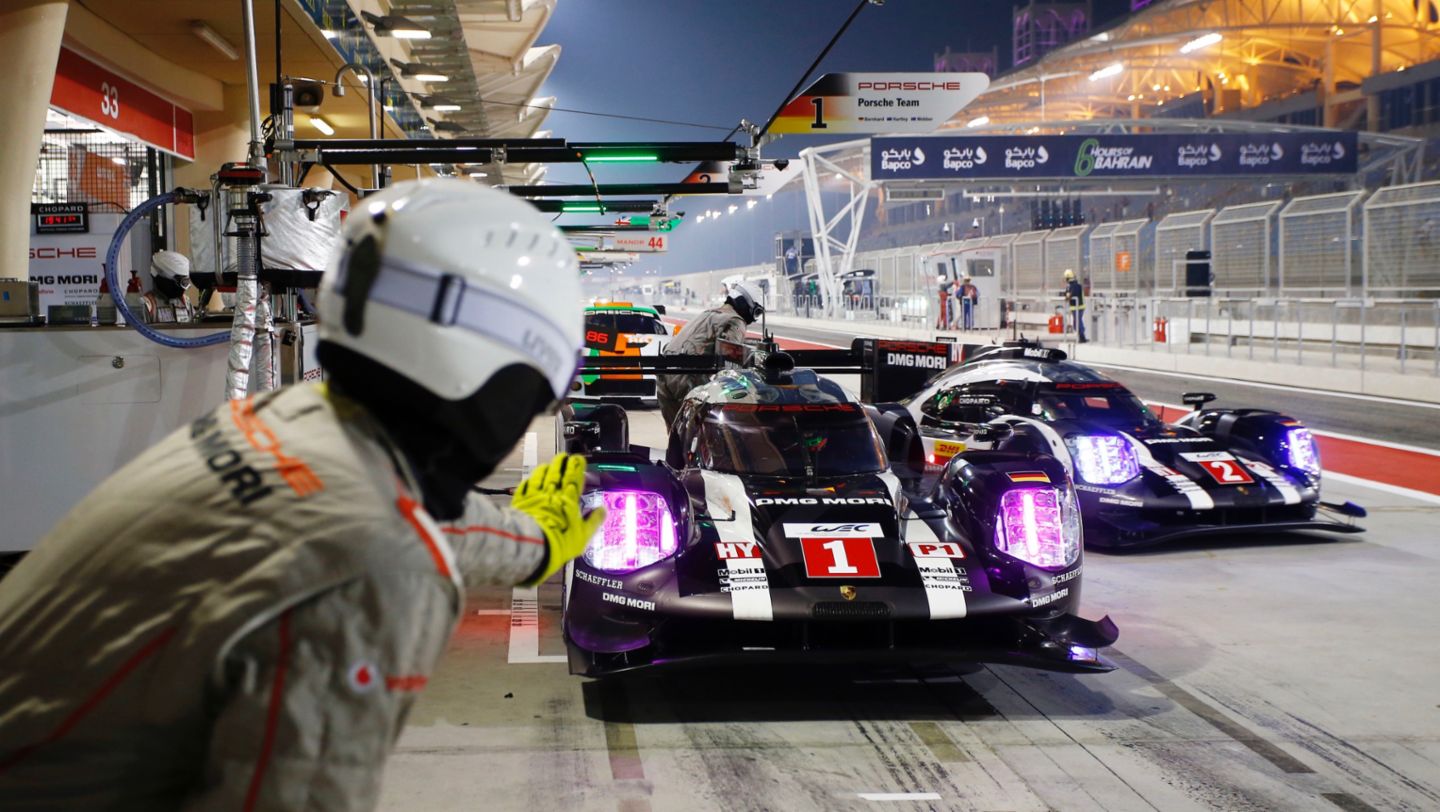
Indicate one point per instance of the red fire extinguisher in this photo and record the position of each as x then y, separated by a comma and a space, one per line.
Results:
1160, 324
1057, 323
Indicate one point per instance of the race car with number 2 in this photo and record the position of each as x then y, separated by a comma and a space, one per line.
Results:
1140, 480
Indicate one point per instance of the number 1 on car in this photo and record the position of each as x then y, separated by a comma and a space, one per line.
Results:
840, 558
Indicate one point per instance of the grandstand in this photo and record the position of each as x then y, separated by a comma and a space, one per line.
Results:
1372, 66
1346, 250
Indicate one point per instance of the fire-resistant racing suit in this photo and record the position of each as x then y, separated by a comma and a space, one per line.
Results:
700, 336
238, 619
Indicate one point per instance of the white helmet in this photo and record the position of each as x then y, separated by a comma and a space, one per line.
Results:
171, 273
171, 265
746, 300
446, 282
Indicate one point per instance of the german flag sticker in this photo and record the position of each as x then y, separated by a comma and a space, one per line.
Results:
1028, 476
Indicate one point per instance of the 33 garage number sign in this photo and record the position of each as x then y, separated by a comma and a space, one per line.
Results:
91, 91
110, 100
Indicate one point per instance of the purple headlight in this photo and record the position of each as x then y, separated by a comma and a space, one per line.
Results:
1040, 526
1103, 459
638, 530
1300, 446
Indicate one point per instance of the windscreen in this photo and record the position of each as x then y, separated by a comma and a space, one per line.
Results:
791, 440
638, 323
969, 403
1112, 407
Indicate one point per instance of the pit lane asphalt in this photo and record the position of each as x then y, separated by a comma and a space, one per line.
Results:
1378, 419
1254, 674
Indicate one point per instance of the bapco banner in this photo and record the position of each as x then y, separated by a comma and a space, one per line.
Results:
1060, 157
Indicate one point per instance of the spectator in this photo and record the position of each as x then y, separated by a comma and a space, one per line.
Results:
969, 297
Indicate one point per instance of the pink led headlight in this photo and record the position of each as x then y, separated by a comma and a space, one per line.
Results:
1040, 526
638, 530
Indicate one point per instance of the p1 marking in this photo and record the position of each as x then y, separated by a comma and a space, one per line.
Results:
936, 549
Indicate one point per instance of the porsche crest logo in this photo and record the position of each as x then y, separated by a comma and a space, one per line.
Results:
848, 592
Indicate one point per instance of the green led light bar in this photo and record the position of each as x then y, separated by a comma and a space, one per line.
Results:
653, 223
610, 466
622, 158
581, 207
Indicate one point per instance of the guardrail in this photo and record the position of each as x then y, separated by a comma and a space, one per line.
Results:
1383, 334
1395, 335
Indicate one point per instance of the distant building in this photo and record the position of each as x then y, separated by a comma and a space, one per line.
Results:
986, 62
1040, 28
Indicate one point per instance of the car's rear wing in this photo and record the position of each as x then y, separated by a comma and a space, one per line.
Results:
889, 370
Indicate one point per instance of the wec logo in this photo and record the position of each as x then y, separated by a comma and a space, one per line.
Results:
834, 530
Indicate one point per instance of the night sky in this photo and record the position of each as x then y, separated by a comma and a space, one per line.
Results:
714, 62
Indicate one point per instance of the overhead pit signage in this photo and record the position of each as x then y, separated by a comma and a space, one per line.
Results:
841, 103
1063, 157
609, 257
770, 178
86, 89
639, 243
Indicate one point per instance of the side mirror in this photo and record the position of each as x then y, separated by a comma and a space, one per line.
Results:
1196, 399
600, 428
581, 436
903, 447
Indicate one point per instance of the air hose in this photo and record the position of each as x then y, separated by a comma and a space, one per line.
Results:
112, 276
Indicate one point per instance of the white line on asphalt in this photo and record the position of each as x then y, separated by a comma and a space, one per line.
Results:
756, 334
1383, 443
1383, 486
779, 337
1335, 434
524, 609
899, 796
1419, 404
530, 457
525, 628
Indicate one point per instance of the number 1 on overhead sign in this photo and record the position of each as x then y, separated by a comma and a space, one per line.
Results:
819, 123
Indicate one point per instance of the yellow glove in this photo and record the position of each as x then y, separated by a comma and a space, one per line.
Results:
551, 496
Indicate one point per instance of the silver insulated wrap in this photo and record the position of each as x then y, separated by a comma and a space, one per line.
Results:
292, 240
242, 329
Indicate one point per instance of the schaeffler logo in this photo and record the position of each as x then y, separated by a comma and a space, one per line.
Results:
1026, 157
965, 158
1253, 155
1092, 156
894, 160
1321, 154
